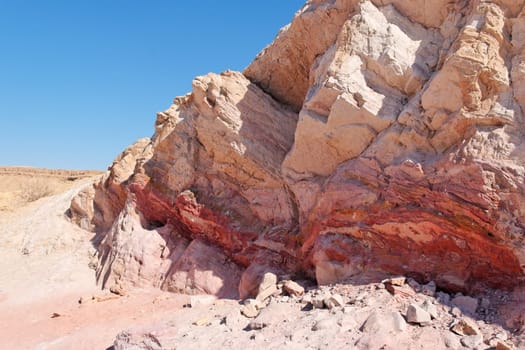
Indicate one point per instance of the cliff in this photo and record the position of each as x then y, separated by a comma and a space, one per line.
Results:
371, 137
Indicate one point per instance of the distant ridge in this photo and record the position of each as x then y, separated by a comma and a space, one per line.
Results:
23, 170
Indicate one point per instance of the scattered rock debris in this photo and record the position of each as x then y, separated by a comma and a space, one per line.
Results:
354, 315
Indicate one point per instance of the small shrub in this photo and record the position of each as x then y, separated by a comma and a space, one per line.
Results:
34, 190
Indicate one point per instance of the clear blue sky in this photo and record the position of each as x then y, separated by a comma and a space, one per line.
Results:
82, 79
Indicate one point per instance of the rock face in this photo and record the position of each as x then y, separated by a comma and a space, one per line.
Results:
370, 136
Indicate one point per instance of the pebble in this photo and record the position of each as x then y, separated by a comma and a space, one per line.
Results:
202, 322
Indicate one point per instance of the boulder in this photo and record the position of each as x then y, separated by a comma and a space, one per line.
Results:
251, 308
293, 288
267, 287
416, 314
466, 326
431, 308
396, 281
272, 315
466, 304
333, 300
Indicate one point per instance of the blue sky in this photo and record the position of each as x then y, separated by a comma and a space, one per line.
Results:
80, 80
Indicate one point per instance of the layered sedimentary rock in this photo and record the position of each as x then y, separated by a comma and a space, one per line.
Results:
369, 137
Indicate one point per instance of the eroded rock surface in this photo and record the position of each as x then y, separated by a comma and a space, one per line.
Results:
370, 136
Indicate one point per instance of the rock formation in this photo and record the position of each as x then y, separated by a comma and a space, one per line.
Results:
380, 136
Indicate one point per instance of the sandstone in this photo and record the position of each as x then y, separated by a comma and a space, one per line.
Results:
416, 314
250, 310
333, 301
293, 288
466, 326
466, 304
289, 59
389, 323
202, 322
369, 136
452, 341
221, 324
203, 269
403, 291
271, 316
398, 322
253, 275
318, 301
144, 339
429, 307
396, 281
267, 287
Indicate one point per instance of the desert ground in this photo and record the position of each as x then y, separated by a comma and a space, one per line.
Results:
44, 271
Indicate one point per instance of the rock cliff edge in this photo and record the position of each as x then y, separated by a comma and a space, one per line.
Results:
371, 137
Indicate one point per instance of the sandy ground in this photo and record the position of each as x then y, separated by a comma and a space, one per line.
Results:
44, 271
22, 185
